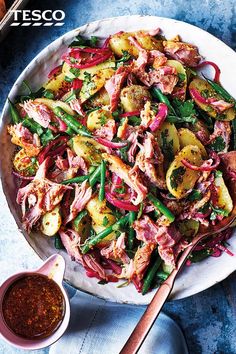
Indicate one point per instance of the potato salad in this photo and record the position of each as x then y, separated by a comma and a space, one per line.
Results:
123, 152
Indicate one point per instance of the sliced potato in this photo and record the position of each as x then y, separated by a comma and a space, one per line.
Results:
180, 179
101, 98
102, 217
133, 97
224, 199
204, 88
51, 222
168, 140
98, 118
21, 161
188, 228
186, 137
82, 227
182, 84
119, 43
92, 70
51, 104
95, 83
55, 83
88, 149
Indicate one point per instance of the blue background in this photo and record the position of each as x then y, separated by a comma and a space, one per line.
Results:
209, 318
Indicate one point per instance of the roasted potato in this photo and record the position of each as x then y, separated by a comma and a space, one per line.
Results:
98, 118
51, 104
88, 149
224, 199
186, 137
22, 162
101, 98
82, 225
180, 179
94, 83
204, 88
119, 43
168, 140
101, 216
51, 222
133, 97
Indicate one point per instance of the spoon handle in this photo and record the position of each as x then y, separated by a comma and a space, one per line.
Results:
154, 308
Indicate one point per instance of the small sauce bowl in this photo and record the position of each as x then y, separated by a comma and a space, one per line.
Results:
54, 269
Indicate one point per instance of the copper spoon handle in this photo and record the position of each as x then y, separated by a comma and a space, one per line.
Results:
147, 320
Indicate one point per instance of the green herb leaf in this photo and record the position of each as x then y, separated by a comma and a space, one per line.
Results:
167, 146
68, 79
75, 71
185, 110
46, 137
105, 221
218, 144
177, 177
194, 195
218, 211
181, 77
48, 94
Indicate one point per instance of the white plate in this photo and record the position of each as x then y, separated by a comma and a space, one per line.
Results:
193, 279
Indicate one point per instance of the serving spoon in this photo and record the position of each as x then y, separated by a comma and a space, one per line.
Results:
146, 322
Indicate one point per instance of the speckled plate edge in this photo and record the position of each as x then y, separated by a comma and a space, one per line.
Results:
195, 278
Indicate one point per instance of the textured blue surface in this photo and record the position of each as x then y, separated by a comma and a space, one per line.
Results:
209, 318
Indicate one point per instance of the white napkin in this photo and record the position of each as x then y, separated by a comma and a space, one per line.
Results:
101, 327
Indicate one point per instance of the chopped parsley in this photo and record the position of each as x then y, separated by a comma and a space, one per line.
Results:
218, 211
177, 177
84, 42
105, 221
126, 56
167, 146
194, 195
75, 71
181, 77
185, 112
46, 137
218, 144
103, 119
134, 120
48, 94
68, 79
218, 173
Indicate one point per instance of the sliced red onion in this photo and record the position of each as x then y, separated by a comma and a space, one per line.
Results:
114, 266
55, 71
27, 178
160, 117
77, 84
225, 249
119, 203
214, 65
111, 144
195, 94
204, 166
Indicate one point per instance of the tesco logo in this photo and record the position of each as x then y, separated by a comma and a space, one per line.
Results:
38, 18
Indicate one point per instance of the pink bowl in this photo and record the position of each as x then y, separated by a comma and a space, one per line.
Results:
54, 268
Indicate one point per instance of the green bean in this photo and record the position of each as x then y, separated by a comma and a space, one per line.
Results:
71, 122
132, 217
162, 98
75, 179
101, 194
58, 243
221, 91
161, 207
101, 235
150, 274
93, 178
79, 217
69, 131
33, 126
14, 113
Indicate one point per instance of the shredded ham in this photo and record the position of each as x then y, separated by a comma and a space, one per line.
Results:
114, 84
116, 250
142, 259
130, 177
71, 242
83, 194
167, 237
76, 105
41, 195
39, 112
21, 136
107, 131
186, 53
